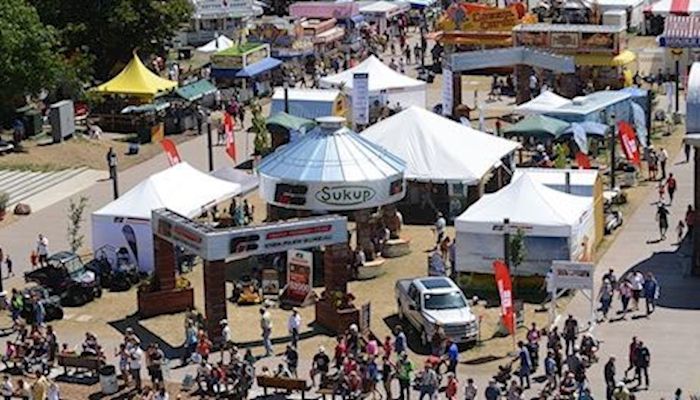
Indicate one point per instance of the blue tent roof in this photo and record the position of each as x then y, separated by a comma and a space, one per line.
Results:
259, 67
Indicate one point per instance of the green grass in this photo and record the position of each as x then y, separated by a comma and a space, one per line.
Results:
240, 50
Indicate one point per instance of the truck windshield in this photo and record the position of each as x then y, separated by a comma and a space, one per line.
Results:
444, 301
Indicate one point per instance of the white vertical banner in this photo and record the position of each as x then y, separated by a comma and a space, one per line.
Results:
447, 91
360, 98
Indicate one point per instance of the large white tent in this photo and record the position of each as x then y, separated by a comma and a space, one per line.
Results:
546, 102
398, 88
126, 222
220, 43
437, 149
557, 226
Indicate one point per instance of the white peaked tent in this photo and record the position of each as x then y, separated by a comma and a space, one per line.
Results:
220, 43
557, 226
545, 102
437, 149
126, 222
398, 87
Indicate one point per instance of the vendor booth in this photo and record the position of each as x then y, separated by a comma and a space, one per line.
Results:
384, 82
545, 101
284, 35
249, 68
126, 222
447, 164
681, 42
556, 226
210, 18
380, 13
310, 103
220, 43
632, 9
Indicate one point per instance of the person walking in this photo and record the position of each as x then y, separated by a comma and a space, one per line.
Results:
388, 374
643, 359
403, 372
470, 390
428, 382
637, 288
492, 391
135, 361
266, 327
662, 218
42, 250
632, 356
605, 298
452, 356
440, 229
651, 292
671, 187
690, 220
452, 386
399, 340
687, 149
294, 326
8, 264
609, 375
525, 365
625, 291
570, 331
663, 157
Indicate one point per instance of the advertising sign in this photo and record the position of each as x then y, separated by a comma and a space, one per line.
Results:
628, 140
299, 274
564, 40
447, 91
572, 275
238, 243
360, 98
505, 292
270, 282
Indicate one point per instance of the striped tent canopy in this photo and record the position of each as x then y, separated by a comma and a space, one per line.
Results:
681, 31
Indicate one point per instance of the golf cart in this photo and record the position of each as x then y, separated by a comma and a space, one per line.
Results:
67, 277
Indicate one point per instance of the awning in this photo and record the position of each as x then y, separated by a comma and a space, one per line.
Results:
357, 19
681, 31
146, 108
259, 67
600, 60
197, 90
335, 33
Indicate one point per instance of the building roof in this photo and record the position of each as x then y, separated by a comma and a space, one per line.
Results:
325, 95
381, 77
593, 102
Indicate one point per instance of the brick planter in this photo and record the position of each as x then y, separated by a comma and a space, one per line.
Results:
165, 302
336, 321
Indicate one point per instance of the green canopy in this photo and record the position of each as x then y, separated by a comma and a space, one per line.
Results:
290, 122
538, 126
197, 90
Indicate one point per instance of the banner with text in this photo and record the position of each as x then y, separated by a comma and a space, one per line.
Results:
360, 98
505, 291
299, 274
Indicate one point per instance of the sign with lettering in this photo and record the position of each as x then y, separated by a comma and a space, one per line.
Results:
360, 98
345, 195
299, 274
572, 275
238, 243
479, 18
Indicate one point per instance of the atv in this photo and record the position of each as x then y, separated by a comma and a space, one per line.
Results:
67, 277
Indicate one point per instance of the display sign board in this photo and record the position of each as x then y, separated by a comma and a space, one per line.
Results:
62, 119
572, 275
478, 18
218, 9
575, 42
564, 40
447, 91
237, 243
360, 98
299, 274
270, 282
339, 196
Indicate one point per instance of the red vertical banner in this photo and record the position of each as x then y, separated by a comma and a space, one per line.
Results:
230, 140
505, 291
170, 151
628, 140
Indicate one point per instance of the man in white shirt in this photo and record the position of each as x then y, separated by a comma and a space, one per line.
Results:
135, 360
42, 249
226, 337
266, 327
662, 154
470, 390
294, 326
7, 390
440, 227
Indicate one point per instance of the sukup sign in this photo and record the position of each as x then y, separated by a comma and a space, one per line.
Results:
345, 195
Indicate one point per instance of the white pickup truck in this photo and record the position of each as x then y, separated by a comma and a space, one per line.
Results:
427, 302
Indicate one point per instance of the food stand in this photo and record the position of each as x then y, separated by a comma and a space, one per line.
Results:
599, 54
248, 68
284, 35
215, 17
380, 13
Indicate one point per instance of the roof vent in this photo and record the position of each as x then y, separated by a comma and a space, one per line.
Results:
578, 101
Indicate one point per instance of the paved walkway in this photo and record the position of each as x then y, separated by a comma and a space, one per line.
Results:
672, 331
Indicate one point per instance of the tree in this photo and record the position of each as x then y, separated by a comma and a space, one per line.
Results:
75, 223
106, 32
29, 62
517, 251
262, 135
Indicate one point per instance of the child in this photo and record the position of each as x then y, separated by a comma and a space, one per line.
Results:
662, 192
679, 230
388, 347
34, 259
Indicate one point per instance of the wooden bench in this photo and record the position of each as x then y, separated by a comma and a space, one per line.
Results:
89, 363
287, 384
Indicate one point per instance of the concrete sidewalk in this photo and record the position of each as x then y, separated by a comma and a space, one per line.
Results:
671, 333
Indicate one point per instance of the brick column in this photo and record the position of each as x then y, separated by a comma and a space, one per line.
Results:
214, 296
335, 267
164, 264
364, 234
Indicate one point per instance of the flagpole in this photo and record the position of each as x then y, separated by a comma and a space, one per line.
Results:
210, 152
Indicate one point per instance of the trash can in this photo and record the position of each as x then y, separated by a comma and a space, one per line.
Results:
108, 379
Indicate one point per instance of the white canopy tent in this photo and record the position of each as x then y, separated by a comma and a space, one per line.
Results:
398, 88
220, 43
675, 7
557, 226
437, 149
692, 118
547, 101
126, 222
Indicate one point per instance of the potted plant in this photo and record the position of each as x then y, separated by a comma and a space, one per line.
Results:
4, 201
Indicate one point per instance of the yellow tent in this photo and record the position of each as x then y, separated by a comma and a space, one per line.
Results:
136, 80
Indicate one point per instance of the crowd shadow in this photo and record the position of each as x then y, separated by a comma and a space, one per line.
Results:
677, 288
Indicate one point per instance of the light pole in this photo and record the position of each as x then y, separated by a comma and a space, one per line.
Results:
286, 97
210, 152
613, 136
677, 53
113, 175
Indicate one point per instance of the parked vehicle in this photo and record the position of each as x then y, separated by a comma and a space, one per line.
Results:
427, 302
115, 268
67, 277
52, 304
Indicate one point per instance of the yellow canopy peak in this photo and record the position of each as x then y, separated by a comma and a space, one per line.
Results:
136, 80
